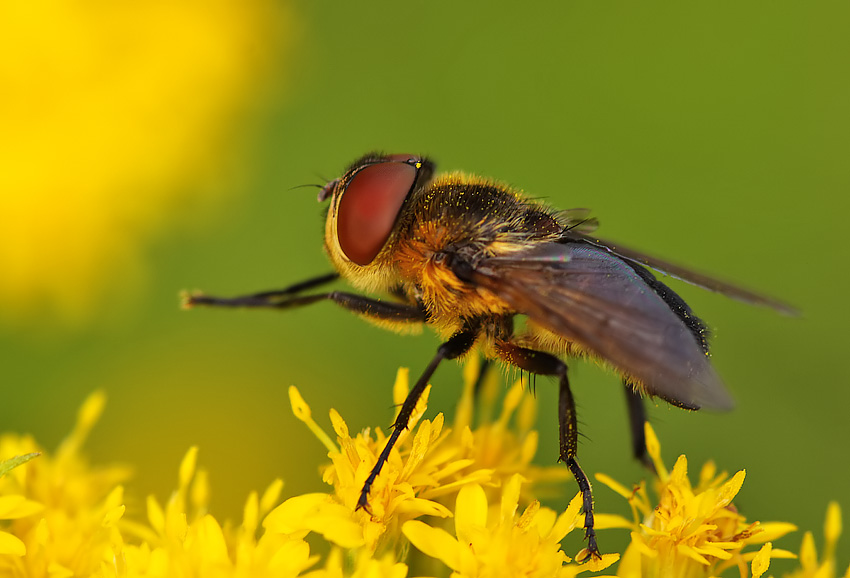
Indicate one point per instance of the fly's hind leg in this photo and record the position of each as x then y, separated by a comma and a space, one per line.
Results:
542, 363
637, 419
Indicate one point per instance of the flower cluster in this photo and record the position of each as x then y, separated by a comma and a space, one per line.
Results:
691, 531
456, 501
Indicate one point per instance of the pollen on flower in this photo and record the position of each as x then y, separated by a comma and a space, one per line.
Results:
691, 531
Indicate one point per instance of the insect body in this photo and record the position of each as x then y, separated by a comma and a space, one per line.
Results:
467, 255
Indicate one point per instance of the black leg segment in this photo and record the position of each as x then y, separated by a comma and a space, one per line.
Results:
287, 299
262, 297
546, 364
637, 419
456, 346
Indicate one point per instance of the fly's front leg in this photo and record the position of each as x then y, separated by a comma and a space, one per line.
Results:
542, 363
261, 299
288, 298
456, 346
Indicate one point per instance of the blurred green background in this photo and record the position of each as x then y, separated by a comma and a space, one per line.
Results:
157, 150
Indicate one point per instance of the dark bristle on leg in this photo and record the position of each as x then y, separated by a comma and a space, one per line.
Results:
541, 363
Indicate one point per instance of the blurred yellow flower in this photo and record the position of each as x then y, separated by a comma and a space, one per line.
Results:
182, 539
66, 508
112, 114
827, 567
363, 566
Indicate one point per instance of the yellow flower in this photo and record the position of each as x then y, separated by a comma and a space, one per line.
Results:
507, 443
66, 518
809, 566
182, 539
113, 115
363, 566
692, 531
393, 498
13, 506
61, 517
495, 542
424, 469
70, 506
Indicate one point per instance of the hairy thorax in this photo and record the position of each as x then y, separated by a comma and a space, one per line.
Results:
470, 220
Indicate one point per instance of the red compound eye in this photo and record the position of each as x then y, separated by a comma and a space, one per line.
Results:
369, 206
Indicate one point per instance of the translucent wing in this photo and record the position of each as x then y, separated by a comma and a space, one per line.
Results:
596, 299
686, 275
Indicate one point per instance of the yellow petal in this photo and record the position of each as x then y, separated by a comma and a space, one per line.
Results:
11, 545
615, 485
418, 450
808, 553
530, 514
641, 546
527, 415
299, 407
57, 570
343, 532
251, 513
112, 516
434, 542
630, 565
156, 516
832, 526
199, 493
607, 521
566, 521
401, 387
691, 553
596, 564
271, 496
290, 515
339, 425
422, 507
470, 510
653, 448
510, 497
511, 401
211, 539
187, 466
762, 560
292, 557
730, 489
466, 404
91, 409
529, 447
771, 531
16, 506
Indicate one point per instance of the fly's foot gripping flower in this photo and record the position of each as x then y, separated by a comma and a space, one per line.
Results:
693, 531
497, 541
